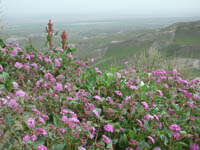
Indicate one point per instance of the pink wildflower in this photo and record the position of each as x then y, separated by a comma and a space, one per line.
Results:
53, 80
106, 139
195, 96
153, 104
132, 87
96, 113
137, 80
64, 119
27, 67
109, 128
13, 104
98, 71
40, 131
70, 98
175, 71
194, 146
119, 93
20, 93
37, 84
98, 98
132, 142
18, 65
60, 50
175, 127
145, 105
22, 56
176, 135
42, 147
35, 66
70, 56
81, 148
159, 125
36, 111
92, 132
3, 50
1, 68
57, 62
48, 76
118, 75
33, 138
147, 117
41, 120
47, 60
158, 81
62, 130
133, 71
159, 92
28, 57
58, 87
166, 86
26, 138
45, 116
157, 148
140, 123
14, 52
151, 139
92, 60
31, 123
191, 105
60, 77
15, 85
156, 117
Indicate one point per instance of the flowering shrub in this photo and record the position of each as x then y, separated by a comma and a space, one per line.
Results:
53, 100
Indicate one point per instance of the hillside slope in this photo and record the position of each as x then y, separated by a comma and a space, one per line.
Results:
180, 41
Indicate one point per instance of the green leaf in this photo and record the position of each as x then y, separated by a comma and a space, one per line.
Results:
59, 146
143, 145
55, 121
123, 141
2, 86
109, 146
48, 38
30, 106
146, 125
117, 127
8, 84
175, 106
2, 44
56, 33
164, 139
5, 76
9, 120
40, 141
183, 144
51, 135
8, 144
131, 134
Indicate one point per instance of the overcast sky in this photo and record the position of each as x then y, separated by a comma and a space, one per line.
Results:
154, 8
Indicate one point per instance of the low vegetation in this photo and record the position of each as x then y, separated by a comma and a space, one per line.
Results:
53, 100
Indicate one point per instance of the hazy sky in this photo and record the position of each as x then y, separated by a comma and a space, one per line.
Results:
158, 8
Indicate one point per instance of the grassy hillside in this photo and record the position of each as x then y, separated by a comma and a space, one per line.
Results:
53, 100
178, 41
186, 40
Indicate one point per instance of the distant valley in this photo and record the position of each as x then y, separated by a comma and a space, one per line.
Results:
118, 40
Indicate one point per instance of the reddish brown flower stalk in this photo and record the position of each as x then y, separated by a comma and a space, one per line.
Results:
64, 41
49, 30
